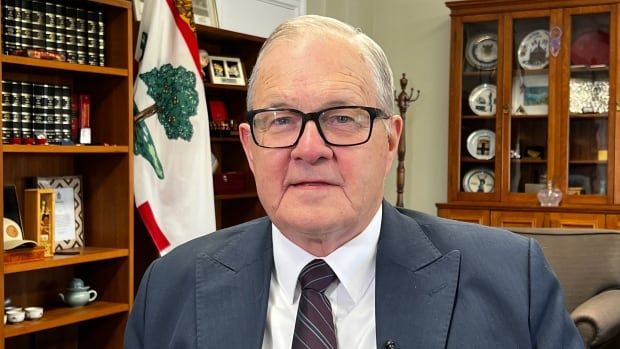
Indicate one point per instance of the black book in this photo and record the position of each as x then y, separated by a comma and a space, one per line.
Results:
50, 27
48, 98
7, 107
100, 37
26, 23
59, 13
12, 25
80, 35
39, 110
70, 29
37, 19
26, 112
92, 38
16, 110
57, 121
65, 110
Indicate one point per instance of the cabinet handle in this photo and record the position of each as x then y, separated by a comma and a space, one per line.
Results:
618, 106
505, 108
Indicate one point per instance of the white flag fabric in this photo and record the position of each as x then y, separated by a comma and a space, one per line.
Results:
172, 155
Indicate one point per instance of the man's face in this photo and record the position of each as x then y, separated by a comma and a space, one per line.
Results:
319, 196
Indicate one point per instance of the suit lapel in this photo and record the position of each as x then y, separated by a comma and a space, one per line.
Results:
232, 290
415, 285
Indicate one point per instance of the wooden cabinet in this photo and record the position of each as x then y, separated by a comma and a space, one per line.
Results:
465, 215
232, 206
533, 102
576, 220
517, 219
106, 262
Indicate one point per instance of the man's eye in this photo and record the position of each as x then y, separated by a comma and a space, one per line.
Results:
282, 121
343, 119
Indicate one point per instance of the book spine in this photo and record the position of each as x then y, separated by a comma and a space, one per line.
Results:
16, 110
80, 34
48, 98
7, 106
26, 112
59, 13
57, 91
50, 27
75, 118
39, 111
10, 30
26, 23
92, 40
101, 38
65, 110
71, 40
85, 132
37, 18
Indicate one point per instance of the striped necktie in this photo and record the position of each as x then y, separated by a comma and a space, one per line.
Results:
314, 327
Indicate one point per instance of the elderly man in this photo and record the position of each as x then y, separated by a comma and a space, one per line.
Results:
333, 265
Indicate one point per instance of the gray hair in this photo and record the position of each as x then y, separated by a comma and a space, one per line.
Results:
372, 53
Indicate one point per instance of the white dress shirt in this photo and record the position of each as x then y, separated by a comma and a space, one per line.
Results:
352, 297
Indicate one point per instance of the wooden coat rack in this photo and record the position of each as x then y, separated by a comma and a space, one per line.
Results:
403, 101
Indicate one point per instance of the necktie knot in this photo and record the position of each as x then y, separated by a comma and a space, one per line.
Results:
316, 275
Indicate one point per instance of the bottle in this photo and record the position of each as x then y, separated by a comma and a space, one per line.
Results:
549, 196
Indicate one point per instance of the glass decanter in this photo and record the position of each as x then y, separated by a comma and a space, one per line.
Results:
550, 195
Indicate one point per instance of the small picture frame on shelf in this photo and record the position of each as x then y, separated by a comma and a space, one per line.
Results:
530, 95
138, 5
69, 210
205, 13
226, 71
39, 210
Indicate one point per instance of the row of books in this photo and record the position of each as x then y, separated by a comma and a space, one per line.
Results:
74, 34
34, 113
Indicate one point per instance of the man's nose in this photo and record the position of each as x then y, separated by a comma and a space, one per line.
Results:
311, 146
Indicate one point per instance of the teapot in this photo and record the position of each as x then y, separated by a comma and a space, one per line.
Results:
77, 294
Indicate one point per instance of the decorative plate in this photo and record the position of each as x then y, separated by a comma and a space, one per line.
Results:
482, 100
587, 96
479, 180
591, 48
481, 51
533, 51
481, 144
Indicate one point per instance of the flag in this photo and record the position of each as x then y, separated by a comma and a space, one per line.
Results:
173, 184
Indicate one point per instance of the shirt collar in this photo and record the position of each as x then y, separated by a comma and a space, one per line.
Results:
353, 262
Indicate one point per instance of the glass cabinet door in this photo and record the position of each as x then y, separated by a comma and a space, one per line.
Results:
479, 107
588, 109
529, 114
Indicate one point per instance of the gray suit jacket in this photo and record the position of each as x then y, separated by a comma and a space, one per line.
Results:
439, 284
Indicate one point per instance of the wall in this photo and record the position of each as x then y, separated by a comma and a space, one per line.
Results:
415, 35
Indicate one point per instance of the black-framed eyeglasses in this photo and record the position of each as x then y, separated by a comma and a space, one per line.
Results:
338, 126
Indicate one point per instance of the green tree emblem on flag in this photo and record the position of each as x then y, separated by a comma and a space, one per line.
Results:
176, 100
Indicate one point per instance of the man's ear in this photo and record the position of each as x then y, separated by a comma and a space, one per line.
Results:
245, 136
396, 128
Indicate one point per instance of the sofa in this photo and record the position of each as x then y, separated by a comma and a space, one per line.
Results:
587, 264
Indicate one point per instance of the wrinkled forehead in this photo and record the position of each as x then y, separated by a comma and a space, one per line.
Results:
313, 61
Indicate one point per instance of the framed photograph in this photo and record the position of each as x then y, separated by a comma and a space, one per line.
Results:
69, 210
205, 13
530, 95
137, 9
226, 71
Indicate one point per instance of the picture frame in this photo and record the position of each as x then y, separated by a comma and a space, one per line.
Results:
226, 71
67, 238
205, 13
138, 5
530, 95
